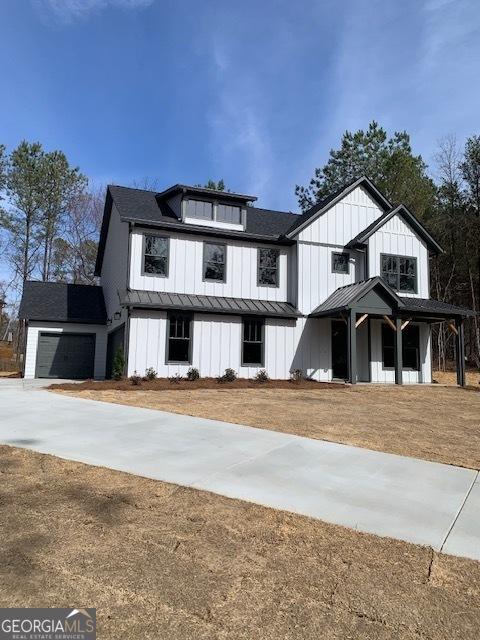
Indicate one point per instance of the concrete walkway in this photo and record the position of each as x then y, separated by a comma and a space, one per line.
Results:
418, 501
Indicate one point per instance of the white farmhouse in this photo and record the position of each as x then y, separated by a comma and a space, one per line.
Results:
191, 277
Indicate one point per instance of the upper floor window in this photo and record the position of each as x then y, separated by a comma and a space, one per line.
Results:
400, 272
155, 255
268, 267
228, 213
199, 209
253, 342
179, 341
214, 261
341, 263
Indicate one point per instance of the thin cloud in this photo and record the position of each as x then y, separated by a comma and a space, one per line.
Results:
69, 11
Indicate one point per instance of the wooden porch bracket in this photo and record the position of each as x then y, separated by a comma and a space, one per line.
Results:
389, 321
453, 328
406, 323
361, 319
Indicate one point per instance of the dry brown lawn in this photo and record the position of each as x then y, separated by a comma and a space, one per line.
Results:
162, 561
450, 377
429, 422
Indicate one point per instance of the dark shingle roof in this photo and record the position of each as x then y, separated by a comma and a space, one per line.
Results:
409, 218
147, 207
207, 304
60, 302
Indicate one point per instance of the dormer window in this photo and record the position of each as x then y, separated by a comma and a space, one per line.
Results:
214, 213
199, 209
228, 213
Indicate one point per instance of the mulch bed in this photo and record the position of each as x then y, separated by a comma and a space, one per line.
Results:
163, 384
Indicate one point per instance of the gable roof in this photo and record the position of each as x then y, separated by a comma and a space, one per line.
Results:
411, 220
345, 297
61, 302
321, 207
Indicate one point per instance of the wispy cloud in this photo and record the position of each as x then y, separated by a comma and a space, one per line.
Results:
239, 133
69, 11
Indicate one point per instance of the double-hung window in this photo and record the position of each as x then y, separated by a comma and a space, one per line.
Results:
410, 347
179, 337
253, 339
214, 262
400, 272
268, 267
155, 255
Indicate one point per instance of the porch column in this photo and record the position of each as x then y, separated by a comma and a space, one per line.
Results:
460, 352
398, 351
352, 347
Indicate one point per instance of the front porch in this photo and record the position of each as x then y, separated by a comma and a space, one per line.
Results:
373, 329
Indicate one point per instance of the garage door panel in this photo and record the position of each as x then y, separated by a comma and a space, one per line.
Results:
62, 355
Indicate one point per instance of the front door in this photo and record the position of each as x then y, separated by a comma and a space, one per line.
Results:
339, 350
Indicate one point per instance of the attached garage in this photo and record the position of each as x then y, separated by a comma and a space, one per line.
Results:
65, 331
65, 355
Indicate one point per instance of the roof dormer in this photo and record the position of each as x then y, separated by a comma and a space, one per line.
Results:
209, 208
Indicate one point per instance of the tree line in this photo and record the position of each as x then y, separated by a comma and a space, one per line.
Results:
50, 217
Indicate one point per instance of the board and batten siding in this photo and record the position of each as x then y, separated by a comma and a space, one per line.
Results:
35, 328
395, 237
289, 344
114, 267
185, 273
329, 234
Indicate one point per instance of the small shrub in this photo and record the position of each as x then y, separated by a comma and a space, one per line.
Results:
118, 365
230, 375
150, 373
193, 374
296, 375
136, 380
262, 376
176, 379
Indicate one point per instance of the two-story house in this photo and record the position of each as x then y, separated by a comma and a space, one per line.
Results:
191, 277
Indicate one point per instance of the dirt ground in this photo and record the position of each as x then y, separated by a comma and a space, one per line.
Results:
429, 422
161, 561
472, 378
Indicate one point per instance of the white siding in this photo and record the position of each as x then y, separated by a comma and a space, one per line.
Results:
396, 237
186, 269
316, 280
289, 344
344, 221
328, 234
114, 267
35, 328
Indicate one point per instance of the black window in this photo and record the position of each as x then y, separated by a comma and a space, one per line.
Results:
214, 261
410, 347
179, 340
400, 272
199, 209
155, 255
229, 213
268, 267
253, 341
340, 262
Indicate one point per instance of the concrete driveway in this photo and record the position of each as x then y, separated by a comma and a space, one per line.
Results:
418, 501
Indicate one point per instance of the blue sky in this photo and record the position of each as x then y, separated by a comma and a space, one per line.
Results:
253, 92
